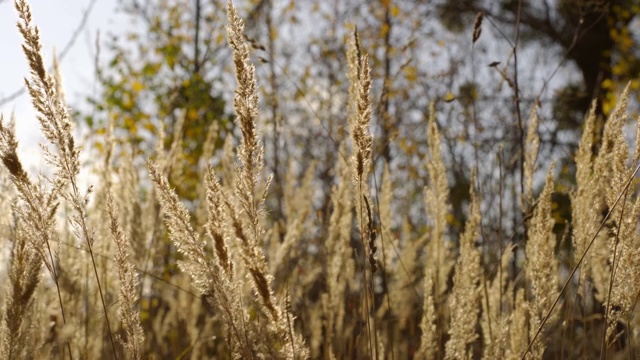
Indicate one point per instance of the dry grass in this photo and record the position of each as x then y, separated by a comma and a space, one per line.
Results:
134, 272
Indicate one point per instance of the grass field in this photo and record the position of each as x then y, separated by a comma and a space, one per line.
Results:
126, 269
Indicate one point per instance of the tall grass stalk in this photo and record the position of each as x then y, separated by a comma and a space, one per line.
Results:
56, 128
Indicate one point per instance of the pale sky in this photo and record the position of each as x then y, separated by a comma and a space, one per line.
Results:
57, 20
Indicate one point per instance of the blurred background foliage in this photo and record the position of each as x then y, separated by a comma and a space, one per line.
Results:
173, 60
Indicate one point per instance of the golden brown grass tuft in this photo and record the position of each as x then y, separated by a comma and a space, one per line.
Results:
465, 295
542, 266
127, 295
24, 277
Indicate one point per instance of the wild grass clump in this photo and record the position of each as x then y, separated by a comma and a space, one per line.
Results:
133, 271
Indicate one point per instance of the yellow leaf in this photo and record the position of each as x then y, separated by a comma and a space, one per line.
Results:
384, 30
411, 73
150, 127
395, 11
220, 38
450, 219
137, 86
130, 123
192, 114
608, 103
127, 102
449, 97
